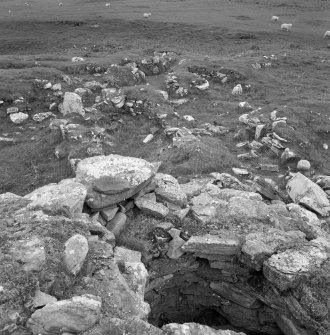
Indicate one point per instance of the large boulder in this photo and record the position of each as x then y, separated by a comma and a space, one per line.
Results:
75, 315
114, 178
305, 192
66, 197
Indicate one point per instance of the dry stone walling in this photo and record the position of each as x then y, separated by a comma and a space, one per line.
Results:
255, 266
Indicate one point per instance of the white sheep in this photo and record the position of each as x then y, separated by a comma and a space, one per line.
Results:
275, 18
327, 34
107, 4
286, 26
237, 90
146, 15
61, 4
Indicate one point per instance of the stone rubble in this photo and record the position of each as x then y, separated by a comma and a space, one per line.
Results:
260, 257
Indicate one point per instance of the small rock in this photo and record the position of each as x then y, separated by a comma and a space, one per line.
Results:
117, 224
48, 86
151, 207
181, 213
287, 155
166, 225
109, 213
77, 59
148, 138
188, 118
303, 165
174, 247
240, 172
42, 299
18, 117
57, 87
122, 255
42, 116
76, 249
12, 110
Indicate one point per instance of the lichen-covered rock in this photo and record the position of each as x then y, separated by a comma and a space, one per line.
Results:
76, 249
75, 315
289, 268
213, 244
305, 192
261, 245
30, 252
195, 329
168, 189
66, 197
114, 178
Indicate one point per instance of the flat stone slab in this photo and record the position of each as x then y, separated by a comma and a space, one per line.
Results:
212, 244
235, 294
289, 268
127, 175
151, 207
